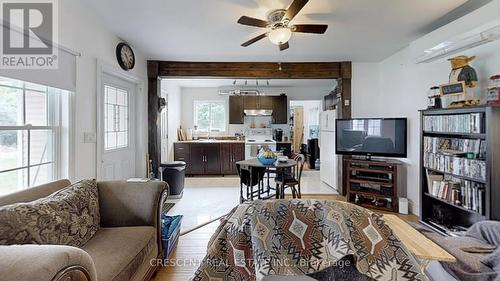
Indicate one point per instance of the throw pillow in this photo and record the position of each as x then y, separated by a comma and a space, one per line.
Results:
69, 216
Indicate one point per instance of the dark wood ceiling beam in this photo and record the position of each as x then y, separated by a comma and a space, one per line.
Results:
263, 70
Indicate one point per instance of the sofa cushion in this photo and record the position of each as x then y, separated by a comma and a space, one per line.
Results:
69, 216
118, 252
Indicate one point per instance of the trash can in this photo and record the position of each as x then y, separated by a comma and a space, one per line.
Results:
173, 173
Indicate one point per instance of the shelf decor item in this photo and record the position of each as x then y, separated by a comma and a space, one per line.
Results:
462, 82
462, 71
493, 96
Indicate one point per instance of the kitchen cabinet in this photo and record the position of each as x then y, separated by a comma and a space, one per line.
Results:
182, 152
230, 154
236, 115
280, 109
266, 102
251, 102
205, 159
279, 105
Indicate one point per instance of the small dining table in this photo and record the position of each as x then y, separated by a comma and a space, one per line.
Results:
280, 166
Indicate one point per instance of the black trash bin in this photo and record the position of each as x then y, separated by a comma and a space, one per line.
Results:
173, 173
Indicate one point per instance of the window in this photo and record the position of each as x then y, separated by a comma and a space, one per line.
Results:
210, 115
115, 118
30, 116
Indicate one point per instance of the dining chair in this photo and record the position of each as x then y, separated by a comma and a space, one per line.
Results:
292, 178
249, 178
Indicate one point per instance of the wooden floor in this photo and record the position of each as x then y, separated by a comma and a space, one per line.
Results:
192, 247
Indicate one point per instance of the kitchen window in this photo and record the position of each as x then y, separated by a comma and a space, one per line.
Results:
32, 118
210, 115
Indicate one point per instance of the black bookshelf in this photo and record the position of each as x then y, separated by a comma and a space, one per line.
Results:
444, 214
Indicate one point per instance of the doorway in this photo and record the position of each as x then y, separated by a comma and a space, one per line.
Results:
116, 132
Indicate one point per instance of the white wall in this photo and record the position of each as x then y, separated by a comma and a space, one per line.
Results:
173, 96
403, 85
81, 31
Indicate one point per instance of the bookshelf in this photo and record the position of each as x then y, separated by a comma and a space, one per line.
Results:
459, 167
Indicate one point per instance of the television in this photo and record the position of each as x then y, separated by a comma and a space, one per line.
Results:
385, 137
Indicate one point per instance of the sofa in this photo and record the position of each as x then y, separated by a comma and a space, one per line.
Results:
124, 245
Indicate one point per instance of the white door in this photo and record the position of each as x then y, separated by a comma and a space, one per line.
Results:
116, 129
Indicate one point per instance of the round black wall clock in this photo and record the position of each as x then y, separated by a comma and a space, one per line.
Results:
125, 56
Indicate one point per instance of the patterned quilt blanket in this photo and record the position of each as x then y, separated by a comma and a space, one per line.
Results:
298, 237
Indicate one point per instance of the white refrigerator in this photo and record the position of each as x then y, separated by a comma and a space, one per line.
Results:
328, 168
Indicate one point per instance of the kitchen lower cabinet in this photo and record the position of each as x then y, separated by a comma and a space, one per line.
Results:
210, 158
205, 159
230, 154
182, 152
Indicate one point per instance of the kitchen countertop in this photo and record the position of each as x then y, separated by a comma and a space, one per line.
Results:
211, 141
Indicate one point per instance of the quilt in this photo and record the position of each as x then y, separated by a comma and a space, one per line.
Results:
300, 237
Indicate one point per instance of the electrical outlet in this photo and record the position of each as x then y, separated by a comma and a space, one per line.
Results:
89, 137
347, 102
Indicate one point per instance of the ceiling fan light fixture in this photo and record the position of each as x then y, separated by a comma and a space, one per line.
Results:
280, 35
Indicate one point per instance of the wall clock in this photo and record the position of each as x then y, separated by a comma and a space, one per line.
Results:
125, 56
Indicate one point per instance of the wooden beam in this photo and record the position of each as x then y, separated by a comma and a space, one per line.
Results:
264, 70
154, 126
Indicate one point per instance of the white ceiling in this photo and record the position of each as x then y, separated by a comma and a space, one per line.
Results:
251, 83
206, 30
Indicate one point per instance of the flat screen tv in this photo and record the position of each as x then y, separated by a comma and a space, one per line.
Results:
385, 137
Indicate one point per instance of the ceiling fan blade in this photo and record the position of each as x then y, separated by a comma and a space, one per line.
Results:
294, 9
310, 28
284, 46
253, 40
252, 22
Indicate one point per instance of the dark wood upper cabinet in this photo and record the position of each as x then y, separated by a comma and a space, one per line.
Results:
236, 108
251, 102
266, 102
280, 109
279, 105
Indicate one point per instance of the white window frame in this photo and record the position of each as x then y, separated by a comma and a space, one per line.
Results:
117, 147
54, 124
195, 119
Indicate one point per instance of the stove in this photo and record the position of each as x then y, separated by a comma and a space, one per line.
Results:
257, 139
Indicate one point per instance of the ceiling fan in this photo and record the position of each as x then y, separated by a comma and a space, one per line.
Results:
279, 28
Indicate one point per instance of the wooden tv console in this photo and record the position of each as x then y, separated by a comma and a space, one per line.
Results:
375, 184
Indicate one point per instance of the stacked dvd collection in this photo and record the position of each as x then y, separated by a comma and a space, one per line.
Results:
448, 155
448, 145
460, 123
459, 166
467, 194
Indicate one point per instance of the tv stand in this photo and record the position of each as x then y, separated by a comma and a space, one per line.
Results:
374, 183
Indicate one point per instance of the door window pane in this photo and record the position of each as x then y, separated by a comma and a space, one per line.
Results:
115, 118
